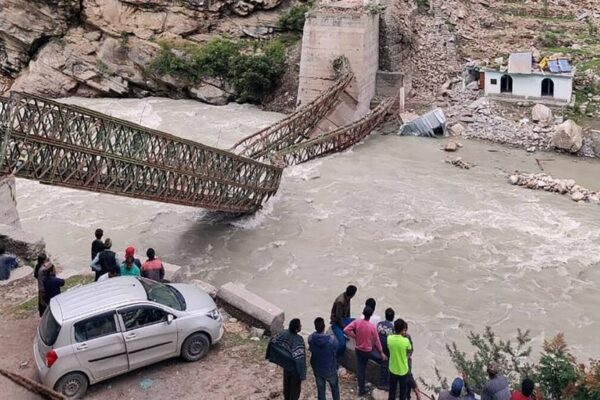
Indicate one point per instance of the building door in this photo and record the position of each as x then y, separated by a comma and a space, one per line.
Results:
547, 87
506, 84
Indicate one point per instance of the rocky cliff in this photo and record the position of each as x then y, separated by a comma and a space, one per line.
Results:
61, 48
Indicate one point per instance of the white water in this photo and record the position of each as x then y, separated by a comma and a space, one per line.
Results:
450, 250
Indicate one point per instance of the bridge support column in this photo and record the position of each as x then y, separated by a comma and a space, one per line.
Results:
343, 29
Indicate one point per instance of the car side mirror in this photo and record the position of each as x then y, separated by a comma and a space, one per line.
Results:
170, 318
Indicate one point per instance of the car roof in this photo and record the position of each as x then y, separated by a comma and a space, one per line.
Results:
97, 297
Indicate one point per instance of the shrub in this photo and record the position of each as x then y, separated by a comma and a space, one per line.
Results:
557, 369
256, 74
252, 72
548, 39
423, 6
293, 19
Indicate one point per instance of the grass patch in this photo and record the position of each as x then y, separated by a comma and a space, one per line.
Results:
253, 69
31, 304
593, 64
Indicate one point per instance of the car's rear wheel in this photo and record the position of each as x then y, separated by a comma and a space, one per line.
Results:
72, 386
195, 347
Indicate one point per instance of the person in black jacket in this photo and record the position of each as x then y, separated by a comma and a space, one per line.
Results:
39, 276
97, 245
52, 283
287, 350
105, 261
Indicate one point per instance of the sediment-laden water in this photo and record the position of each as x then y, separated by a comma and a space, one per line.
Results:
451, 250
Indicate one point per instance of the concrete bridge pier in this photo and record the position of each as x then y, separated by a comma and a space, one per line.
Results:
340, 29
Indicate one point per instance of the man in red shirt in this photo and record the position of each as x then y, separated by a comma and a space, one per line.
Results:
526, 392
368, 346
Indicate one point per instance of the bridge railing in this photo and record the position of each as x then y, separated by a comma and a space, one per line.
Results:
72, 146
296, 127
334, 141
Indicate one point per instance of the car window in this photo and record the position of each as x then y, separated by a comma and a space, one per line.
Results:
95, 327
138, 317
163, 294
49, 328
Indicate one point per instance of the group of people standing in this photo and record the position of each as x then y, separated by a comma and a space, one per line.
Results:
385, 341
107, 264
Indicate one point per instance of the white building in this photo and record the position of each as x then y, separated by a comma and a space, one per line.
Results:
524, 80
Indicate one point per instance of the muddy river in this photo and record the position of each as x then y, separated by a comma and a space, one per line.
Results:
451, 250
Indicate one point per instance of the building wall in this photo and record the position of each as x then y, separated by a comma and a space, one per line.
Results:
328, 34
529, 86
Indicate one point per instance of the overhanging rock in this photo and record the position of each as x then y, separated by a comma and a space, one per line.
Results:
250, 308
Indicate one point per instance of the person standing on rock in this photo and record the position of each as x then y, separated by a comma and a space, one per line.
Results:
323, 348
399, 347
129, 267
497, 387
340, 317
106, 260
52, 283
153, 268
288, 351
368, 347
97, 244
8, 262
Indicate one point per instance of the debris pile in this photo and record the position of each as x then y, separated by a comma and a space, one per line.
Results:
459, 163
546, 182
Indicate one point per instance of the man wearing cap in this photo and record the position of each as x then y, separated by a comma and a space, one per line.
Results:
497, 387
455, 391
130, 267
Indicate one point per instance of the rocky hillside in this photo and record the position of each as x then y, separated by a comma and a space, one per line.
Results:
104, 47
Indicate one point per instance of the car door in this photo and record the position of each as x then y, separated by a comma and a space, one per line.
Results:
99, 345
149, 337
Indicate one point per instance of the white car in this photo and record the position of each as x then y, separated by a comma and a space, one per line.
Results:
97, 331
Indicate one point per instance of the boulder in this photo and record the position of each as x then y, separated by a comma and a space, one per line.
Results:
542, 115
451, 146
577, 196
568, 136
456, 130
211, 92
205, 286
250, 308
25, 245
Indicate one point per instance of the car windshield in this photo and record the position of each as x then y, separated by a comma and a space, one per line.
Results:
163, 294
49, 328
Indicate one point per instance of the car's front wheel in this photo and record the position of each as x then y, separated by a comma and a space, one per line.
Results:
72, 386
195, 347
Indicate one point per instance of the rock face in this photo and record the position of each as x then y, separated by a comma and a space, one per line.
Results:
542, 115
8, 202
568, 136
27, 25
212, 91
60, 48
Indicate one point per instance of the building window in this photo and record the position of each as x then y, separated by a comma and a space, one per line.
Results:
547, 87
494, 81
506, 84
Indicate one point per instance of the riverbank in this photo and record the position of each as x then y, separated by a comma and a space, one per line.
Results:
234, 369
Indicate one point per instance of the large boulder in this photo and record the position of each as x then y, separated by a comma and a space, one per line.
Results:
212, 91
594, 139
568, 136
542, 115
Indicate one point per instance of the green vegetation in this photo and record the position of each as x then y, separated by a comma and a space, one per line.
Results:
548, 39
558, 374
422, 6
31, 304
102, 67
252, 70
293, 19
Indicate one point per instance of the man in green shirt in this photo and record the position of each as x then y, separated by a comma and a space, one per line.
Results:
398, 346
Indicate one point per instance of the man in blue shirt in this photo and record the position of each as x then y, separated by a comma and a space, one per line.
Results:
323, 348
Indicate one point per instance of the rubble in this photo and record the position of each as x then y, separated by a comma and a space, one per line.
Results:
547, 183
459, 163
